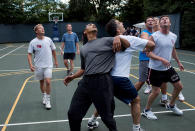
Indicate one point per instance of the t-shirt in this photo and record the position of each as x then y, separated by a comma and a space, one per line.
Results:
142, 55
97, 56
123, 59
163, 48
70, 41
42, 50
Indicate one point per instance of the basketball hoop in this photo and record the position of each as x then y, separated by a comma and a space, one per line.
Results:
55, 17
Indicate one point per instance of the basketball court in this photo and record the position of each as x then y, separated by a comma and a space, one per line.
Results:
21, 108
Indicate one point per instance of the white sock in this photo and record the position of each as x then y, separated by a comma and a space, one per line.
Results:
93, 118
44, 94
48, 96
164, 97
136, 126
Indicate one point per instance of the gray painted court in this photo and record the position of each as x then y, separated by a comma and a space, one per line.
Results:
21, 108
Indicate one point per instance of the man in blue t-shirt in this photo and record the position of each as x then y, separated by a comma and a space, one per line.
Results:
69, 47
143, 59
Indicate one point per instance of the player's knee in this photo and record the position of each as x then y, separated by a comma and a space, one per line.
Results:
136, 100
156, 92
180, 86
48, 82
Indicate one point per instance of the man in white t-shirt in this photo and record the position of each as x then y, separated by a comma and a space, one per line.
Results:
161, 71
43, 49
124, 90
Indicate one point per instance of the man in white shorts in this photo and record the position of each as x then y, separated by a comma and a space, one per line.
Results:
43, 48
161, 71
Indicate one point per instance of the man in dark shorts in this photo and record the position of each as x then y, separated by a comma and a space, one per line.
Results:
97, 60
69, 47
161, 71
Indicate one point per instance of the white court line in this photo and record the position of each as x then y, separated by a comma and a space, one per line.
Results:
84, 119
11, 51
174, 60
29, 69
176, 67
4, 48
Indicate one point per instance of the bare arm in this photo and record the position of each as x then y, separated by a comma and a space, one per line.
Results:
62, 48
78, 51
55, 58
174, 54
118, 42
32, 68
144, 35
68, 79
155, 57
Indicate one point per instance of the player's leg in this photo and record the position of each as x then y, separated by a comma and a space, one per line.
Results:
39, 75
66, 57
79, 105
172, 106
164, 99
48, 76
125, 91
101, 90
72, 57
156, 79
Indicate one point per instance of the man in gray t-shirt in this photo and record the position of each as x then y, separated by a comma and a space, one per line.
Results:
99, 50
97, 60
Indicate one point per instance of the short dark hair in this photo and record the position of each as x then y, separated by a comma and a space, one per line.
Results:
111, 27
164, 16
68, 24
148, 18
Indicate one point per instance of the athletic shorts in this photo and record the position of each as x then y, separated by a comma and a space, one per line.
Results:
69, 56
124, 90
42, 73
143, 70
156, 77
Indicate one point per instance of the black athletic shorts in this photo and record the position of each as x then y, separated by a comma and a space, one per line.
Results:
156, 78
69, 56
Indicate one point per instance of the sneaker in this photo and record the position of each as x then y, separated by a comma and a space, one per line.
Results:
164, 102
48, 104
175, 110
138, 129
92, 124
148, 89
44, 99
68, 72
181, 97
149, 114
71, 73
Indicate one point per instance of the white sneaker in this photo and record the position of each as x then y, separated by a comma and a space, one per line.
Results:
138, 129
48, 104
92, 124
148, 89
164, 102
175, 109
181, 97
149, 114
44, 99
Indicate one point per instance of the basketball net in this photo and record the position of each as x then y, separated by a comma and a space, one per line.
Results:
56, 21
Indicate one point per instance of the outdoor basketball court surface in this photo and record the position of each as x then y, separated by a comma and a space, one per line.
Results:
20, 97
